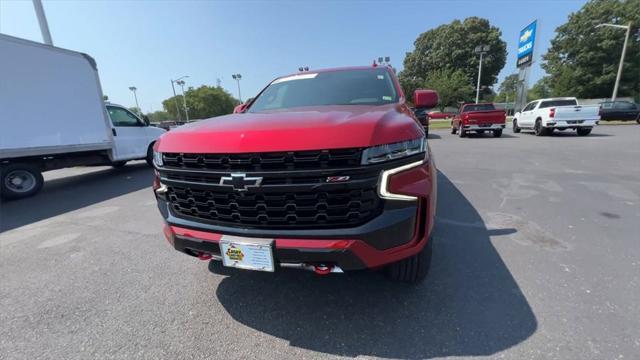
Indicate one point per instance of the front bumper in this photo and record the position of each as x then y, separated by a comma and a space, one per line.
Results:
483, 127
400, 231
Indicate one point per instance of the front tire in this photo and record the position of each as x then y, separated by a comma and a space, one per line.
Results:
20, 181
461, 132
149, 157
516, 128
413, 269
584, 131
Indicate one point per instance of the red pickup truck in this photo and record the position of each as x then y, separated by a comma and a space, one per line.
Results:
479, 118
324, 170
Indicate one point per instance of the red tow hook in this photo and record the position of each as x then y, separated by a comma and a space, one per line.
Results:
322, 269
204, 256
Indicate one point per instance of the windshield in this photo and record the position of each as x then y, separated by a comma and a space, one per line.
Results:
550, 103
479, 107
345, 87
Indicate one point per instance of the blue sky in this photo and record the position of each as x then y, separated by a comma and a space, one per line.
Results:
146, 43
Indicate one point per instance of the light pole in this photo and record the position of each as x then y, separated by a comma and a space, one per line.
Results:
175, 98
624, 51
135, 96
237, 78
480, 49
184, 98
42, 21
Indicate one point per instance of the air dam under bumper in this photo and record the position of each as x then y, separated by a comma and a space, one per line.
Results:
390, 237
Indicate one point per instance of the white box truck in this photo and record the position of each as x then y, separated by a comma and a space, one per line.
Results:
52, 116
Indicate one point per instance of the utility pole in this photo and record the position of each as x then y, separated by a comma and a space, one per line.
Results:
42, 21
237, 78
135, 96
480, 49
624, 51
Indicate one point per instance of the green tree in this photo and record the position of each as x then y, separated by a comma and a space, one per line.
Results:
583, 60
203, 102
541, 89
135, 110
451, 46
173, 106
507, 89
158, 116
453, 86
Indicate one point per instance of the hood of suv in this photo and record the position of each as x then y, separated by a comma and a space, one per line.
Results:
309, 128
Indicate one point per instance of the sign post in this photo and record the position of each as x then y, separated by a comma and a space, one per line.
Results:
526, 47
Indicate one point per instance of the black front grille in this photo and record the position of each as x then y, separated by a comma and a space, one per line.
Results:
311, 196
271, 161
304, 209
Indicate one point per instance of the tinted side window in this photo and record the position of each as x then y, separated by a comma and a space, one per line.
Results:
624, 105
122, 117
530, 106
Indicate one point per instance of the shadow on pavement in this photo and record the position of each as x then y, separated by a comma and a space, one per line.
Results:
433, 136
62, 195
568, 133
489, 135
470, 305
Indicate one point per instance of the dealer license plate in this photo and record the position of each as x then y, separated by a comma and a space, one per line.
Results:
247, 253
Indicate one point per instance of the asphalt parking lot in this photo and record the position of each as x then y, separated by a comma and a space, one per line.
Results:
536, 255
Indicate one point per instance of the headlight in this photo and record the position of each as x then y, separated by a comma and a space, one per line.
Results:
382, 153
157, 158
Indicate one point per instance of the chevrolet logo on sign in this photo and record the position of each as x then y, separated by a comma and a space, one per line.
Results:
240, 182
527, 34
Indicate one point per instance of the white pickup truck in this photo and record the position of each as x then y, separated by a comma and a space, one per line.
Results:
545, 115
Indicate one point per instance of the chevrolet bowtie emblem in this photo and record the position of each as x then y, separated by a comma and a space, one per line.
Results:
240, 182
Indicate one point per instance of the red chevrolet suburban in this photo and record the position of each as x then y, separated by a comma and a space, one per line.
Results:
478, 118
325, 170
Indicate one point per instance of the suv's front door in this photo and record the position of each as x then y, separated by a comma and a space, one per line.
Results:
129, 134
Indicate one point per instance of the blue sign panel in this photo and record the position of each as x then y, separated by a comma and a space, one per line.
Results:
525, 44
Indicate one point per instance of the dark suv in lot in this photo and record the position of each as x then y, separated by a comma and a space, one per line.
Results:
619, 110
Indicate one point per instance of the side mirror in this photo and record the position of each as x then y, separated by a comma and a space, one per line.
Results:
146, 120
240, 108
425, 98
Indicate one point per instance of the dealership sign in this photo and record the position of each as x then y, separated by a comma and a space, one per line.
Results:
525, 44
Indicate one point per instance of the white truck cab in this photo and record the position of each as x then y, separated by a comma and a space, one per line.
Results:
132, 136
543, 116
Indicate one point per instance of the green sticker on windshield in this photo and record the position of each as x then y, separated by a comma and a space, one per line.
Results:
387, 98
